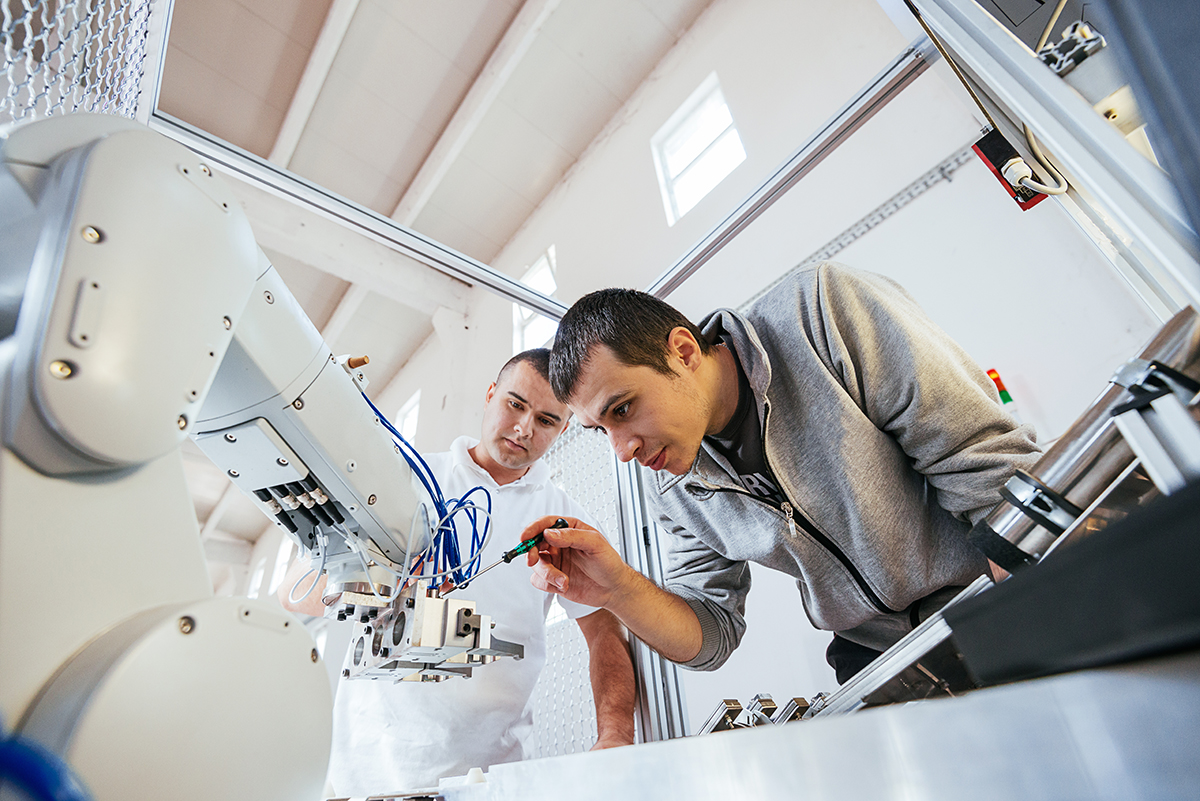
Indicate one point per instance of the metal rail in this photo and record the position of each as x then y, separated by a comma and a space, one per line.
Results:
1135, 196
878, 92
274, 179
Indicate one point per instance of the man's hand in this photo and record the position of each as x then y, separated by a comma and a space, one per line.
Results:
577, 562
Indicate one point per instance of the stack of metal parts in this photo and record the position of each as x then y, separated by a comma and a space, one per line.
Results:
761, 711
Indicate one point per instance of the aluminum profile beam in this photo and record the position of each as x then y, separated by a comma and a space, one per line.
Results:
157, 35
274, 179
878, 92
660, 711
1137, 196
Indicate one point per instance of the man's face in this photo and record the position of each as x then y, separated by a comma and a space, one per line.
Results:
521, 418
657, 419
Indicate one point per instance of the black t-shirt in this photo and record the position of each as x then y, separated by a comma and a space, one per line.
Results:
741, 442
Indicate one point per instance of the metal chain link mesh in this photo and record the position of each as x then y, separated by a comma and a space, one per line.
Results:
62, 56
564, 715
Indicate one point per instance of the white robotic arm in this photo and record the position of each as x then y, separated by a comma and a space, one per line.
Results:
136, 310
291, 427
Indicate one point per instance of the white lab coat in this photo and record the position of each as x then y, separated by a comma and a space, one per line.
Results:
390, 737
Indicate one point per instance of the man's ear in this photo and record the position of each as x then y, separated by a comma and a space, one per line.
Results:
682, 345
491, 391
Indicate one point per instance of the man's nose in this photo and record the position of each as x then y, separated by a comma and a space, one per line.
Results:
625, 447
524, 424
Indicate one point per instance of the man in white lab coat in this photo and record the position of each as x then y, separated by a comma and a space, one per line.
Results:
392, 737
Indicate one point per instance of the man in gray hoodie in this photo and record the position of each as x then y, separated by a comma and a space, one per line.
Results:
833, 433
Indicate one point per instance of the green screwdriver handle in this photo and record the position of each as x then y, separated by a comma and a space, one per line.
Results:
530, 544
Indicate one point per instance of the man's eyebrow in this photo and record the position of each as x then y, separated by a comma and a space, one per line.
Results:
616, 396
556, 418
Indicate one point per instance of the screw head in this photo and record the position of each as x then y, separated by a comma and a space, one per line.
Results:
225, 321
204, 169
351, 466
346, 673
371, 501
187, 624
315, 655
298, 404
281, 462
234, 474
1111, 114
268, 297
91, 235
62, 369
182, 421
230, 438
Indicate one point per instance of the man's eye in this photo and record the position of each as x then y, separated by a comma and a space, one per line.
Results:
621, 410
546, 421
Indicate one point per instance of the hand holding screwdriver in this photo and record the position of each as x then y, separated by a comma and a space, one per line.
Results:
524, 547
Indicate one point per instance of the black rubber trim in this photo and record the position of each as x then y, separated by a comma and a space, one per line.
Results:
1061, 500
1030, 512
998, 549
1185, 381
1140, 401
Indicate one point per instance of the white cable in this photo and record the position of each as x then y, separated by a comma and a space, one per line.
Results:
1049, 29
1029, 183
474, 558
360, 551
1061, 183
321, 541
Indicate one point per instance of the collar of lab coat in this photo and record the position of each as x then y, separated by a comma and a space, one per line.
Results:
535, 477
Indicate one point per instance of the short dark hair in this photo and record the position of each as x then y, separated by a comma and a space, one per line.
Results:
537, 358
634, 325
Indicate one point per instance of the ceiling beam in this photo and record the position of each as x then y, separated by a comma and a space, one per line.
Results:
284, 227
228, 495
320, 61
483, 92
230, 552
479, 98
347, 307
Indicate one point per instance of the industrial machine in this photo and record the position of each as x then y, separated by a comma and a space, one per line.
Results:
136, 310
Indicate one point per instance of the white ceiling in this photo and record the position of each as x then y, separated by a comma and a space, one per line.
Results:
455, 117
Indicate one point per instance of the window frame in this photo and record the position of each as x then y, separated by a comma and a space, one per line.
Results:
709, 87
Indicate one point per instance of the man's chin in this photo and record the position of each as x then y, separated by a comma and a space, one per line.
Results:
512, 458
681, 467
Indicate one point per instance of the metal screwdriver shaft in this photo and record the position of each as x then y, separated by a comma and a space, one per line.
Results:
525, 547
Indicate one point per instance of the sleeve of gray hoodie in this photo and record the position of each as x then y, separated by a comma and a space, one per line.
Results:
714, 587
917, 384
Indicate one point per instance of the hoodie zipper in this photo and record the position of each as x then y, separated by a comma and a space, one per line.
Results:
789, 512
795, 521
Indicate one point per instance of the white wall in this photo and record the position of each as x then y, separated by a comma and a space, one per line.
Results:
1025, 293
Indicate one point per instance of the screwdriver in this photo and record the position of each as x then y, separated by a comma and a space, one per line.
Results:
525, 547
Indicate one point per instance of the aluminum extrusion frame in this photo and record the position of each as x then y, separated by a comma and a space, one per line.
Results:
1137, 195
258, 172
881, 90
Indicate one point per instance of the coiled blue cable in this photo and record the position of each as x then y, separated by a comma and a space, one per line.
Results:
42, 775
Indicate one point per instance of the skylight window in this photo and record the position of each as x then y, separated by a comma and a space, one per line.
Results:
696, 149
406, 420
531, 329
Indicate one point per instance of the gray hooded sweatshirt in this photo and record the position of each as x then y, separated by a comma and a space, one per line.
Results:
887, 440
